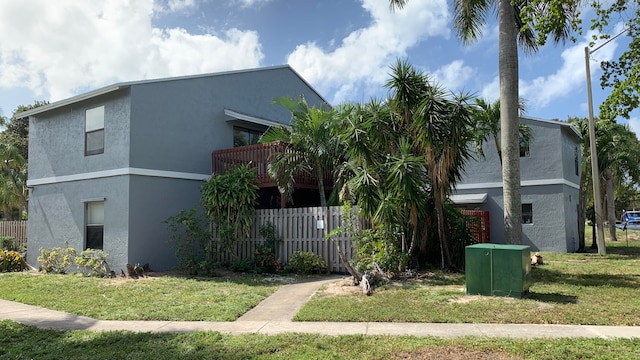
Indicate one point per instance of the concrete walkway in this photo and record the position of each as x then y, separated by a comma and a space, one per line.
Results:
274, 315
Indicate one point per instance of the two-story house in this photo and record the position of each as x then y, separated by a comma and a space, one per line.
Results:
107, 167
550, 178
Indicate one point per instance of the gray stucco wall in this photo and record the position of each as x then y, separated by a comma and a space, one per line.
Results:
159, 136
549, 183
57, 215
176, 124
56, 138
153, 200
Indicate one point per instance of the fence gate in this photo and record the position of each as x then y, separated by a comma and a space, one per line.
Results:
299, 229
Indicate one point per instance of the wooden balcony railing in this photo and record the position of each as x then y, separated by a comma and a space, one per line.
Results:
479, 228
258, 156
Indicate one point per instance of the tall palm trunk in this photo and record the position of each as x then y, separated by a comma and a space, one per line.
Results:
611, 207
583, 198
438, 197
508, 68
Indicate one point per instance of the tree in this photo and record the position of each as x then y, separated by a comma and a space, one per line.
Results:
621, 75
487, 125
229, 201
540, 19
405, 155
311, 147
13, 180
581, 124
17, 129
618, 157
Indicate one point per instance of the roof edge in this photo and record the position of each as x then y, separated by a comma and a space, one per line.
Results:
557, 122
71, 100
123, 85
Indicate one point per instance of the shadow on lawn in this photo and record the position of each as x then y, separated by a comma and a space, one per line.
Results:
553, 298
545, 275
23, 341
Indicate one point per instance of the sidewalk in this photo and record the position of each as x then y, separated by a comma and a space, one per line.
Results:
274, 315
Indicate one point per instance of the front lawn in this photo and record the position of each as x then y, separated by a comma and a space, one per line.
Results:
568, 289
26, 342
166, 297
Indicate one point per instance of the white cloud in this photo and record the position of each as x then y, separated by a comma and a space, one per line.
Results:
252, 3
540, 91
170, 6
363, 56
64, 47
454, 76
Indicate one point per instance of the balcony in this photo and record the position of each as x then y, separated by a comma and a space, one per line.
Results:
258, 156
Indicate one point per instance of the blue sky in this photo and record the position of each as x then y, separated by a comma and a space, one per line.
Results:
51, 50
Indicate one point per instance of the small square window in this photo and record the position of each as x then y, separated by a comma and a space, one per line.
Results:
524, 147
527, 213
94, 131
95, 225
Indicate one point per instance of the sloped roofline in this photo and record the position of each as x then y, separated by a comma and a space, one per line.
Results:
556, 122
124, 85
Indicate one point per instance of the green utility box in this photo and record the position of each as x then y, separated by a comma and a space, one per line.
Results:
498, 270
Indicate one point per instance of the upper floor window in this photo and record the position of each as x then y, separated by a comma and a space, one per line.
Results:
94, 131
524, 147
575, 160
243, 136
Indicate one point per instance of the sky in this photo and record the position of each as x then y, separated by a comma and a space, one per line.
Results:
52, 50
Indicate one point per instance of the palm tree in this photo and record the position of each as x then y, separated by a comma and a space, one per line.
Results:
469, 19
618, 157
311, 147
13, 178
581, 124
487, 125
404, 155
443, 127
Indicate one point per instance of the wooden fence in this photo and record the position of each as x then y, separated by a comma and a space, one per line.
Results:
299, 229
16, 229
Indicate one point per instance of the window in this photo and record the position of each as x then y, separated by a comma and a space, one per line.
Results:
527, 213
524, 147
95, 225
575, 160
243, 136
94, 131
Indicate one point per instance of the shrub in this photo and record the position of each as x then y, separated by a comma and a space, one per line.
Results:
56, 260
379, 247
194, 250
243, 265
304, 262
7, 243
265, 256
93, 262
11, 260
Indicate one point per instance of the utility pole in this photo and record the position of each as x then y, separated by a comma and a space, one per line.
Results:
595, 171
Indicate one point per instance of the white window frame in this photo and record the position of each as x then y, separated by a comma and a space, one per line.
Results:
94, 130
94, 220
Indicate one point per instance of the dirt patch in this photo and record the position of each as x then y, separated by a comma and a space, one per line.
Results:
341, 288
453, 353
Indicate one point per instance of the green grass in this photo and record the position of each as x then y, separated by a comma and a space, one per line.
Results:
568, 289
170, 298
26, 342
